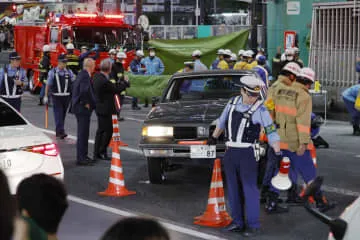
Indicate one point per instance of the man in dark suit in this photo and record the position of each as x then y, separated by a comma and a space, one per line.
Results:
83, 103
105, 108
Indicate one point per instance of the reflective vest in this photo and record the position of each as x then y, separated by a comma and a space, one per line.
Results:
44, 68
9, 88
62, 86
241, 131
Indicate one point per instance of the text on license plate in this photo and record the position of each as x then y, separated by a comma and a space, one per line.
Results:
5, 163
203, 151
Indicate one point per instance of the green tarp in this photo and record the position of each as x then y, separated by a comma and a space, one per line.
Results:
175, 52
147, 86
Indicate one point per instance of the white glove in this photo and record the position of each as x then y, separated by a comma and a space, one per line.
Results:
45, 100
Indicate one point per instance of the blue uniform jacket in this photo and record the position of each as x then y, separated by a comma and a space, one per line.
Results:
83, 91
351, 93
260, 116
135, 67
153, 66
199, 66
11, 72
51, 75
215, 64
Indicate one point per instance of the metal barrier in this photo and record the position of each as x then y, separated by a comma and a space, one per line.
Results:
176, 32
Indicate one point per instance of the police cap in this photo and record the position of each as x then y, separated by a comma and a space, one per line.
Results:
252, 84
62, 58
14, 56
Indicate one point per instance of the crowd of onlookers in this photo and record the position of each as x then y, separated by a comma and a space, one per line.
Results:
36, 211
6, 36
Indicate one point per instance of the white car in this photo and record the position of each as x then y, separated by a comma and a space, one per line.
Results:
351, 216
24, 149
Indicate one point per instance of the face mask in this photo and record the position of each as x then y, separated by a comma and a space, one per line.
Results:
289, 58
152, 54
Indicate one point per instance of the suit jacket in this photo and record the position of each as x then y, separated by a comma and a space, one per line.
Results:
104, 93
83, 91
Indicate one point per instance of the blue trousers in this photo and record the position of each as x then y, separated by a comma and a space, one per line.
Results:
355, 114
14, 102
42, 91
241, 170
60, 107
83, 116
299, 165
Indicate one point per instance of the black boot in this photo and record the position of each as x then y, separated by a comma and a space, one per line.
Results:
41, 102
356, 131
263, 194
146, 102
293, 196
320, 142
322, 204
272, 206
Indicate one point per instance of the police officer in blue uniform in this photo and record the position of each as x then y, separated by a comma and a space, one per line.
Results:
59, 84
242, 120
12, 81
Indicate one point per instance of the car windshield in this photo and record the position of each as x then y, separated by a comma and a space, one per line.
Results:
204, 88
106, 37
9, 117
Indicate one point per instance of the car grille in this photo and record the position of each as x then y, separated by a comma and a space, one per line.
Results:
185, 132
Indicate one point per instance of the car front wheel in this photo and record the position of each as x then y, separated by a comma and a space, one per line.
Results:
156, 168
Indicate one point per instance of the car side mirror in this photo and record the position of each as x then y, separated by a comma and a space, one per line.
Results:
155, 100
337, 226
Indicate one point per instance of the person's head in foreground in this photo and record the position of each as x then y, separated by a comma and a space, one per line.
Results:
43, 199
136, 229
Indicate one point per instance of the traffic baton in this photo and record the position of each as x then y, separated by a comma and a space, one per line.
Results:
46, 115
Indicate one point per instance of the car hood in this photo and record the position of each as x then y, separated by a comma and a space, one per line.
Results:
186, 112
13, 137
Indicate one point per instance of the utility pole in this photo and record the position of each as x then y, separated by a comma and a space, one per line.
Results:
171, 13
138, 7
254, 23
197, 13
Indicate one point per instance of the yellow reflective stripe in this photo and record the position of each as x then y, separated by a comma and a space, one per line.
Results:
119, 75
113, 81
72, 64
42, 70
123, 93
45, 81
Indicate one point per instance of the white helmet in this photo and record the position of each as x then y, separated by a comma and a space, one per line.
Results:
241, 52
140, 53
296, 50
220, 51
248, 53
70, 46
112, 51
233, 57
196, 53
292, 67
307, 73
227, 52
121, 55
46, 48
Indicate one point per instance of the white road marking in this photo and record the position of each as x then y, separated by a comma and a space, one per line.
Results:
340, 191
123, 213
357, 156
92, 141
134, 119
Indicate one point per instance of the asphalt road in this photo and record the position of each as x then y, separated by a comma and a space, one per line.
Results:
184, 195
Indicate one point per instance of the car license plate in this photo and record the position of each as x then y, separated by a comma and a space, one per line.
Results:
5, 163
203, 151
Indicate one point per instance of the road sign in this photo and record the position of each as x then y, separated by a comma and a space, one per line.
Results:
293, 8
197, 12
289, 39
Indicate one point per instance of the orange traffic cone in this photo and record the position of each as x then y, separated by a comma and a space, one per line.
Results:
215, 214
116, 187
312, 150
116, 133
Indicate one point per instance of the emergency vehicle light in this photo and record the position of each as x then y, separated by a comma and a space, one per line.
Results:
114, 16
85, 15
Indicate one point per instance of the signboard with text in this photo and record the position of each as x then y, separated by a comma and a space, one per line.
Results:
289, 39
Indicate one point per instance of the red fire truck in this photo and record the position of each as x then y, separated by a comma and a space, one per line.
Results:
81, 29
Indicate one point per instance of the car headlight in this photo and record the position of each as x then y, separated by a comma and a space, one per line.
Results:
157, 131
202, 132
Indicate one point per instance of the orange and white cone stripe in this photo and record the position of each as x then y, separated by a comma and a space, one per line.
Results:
116, 186
215, 214
116, 132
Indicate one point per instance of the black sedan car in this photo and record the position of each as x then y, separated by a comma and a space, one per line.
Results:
177, 128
